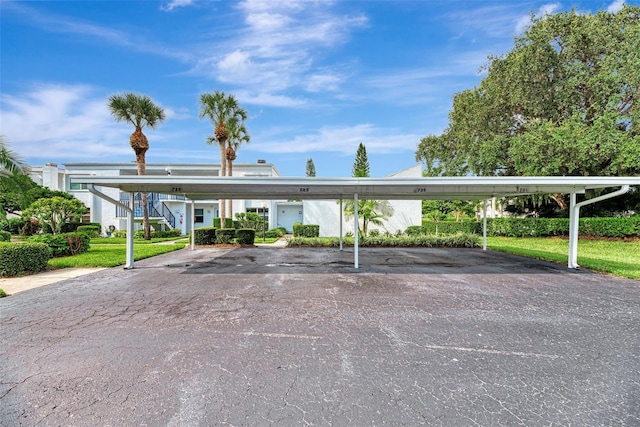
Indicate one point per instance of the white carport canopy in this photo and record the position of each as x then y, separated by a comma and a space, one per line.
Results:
398, 188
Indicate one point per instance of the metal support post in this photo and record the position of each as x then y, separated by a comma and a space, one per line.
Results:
484, 225
355, 230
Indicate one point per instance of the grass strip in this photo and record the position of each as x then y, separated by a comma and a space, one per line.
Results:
111, 255
615, 257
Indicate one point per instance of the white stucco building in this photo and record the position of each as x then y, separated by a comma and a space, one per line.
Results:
171, 211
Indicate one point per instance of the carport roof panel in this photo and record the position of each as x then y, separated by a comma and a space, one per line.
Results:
400, 188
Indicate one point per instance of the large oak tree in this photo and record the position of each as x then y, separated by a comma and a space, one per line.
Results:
563, 102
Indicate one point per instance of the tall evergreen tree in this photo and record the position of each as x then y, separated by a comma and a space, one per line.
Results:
311, 168
360, 167
369, 211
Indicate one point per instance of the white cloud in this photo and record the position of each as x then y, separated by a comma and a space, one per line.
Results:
69, 122
616, 6
343, 140
176, 3
277, 49
525, 21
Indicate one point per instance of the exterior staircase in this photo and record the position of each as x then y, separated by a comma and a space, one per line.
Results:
158, 210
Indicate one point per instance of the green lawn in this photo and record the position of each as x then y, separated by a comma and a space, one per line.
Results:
112, 255
615, 257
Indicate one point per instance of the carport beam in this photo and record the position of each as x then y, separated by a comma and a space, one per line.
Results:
355, 230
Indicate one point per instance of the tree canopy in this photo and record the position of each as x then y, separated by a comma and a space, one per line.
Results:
10, 161
563, 102
55, 211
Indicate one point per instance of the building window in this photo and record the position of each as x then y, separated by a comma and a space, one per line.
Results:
199, 215
77, 186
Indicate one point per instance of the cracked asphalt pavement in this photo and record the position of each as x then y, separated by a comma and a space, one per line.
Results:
263, 336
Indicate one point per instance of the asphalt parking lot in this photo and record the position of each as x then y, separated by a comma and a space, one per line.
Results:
263, 336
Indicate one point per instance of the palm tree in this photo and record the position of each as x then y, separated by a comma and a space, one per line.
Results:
369, 212
139, 111
237, 135
220, 108
10, 161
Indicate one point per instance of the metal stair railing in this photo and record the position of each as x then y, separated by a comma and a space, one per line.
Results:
156, 207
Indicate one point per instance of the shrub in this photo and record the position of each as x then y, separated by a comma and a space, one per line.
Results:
5, 236
245, 236
413, 230
310, 230
228, 223
249, 220
174, 232
119, 233
275, 232
57, 245
297, 229
18, 258
204, 236
63, 244
31, 227
12, 225
71, 226
91, 230
461, 240
225, 235
610, 227
451, 227
543, 227
77, 242
2, 293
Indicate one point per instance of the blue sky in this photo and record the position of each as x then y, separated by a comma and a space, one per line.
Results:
317, 77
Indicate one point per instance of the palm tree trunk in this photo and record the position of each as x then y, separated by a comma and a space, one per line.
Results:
223, 172
141, 163
230, 173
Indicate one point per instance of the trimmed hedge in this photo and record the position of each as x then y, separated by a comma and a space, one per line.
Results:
275, 232
91, 230
204, 236
70, 227
459, 240
63, 244
5, 236
18, 258
139, 234
12, 225
225, 235
245, 236
310, 230
57, 245
539, 227
297, 229
305, 230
